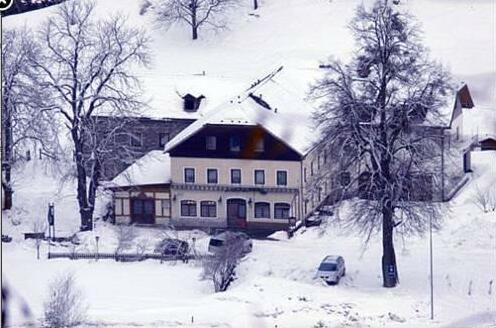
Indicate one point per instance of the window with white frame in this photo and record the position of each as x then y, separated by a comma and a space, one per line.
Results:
208, 209
282, 178
262, 210
236, 176
212, 176
188, 208
189, 175
259, 177
281, 210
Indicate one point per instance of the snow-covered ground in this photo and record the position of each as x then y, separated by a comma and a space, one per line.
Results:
275, 284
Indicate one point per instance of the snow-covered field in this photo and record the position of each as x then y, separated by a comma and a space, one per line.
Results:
275, 284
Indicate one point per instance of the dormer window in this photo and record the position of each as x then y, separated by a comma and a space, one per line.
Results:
192, 103
259, 145
235, 143
211, 143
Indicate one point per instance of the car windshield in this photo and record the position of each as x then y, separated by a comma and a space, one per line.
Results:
328, 267
216, 242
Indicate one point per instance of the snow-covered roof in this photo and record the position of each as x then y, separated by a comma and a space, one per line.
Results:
275, 102
153, 168
444, 115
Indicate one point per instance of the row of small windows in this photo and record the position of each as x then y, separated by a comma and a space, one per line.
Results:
208, 209
262, 210
234, 144
236, 178
342, 180
136, 139
320, 159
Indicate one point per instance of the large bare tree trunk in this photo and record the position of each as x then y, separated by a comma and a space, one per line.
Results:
389, 270
194, 32
85, 211
7, 160
194, 24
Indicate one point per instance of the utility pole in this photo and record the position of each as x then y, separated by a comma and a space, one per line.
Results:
431, 265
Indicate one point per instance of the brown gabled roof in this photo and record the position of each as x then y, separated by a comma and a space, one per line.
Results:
465, 97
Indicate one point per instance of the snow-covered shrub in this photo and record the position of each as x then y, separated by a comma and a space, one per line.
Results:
125, 237
15, 221
220, 266
65, 306
485, 198
320, 324
142, 246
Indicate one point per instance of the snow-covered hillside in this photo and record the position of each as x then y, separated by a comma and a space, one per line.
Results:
298, 34
275, 285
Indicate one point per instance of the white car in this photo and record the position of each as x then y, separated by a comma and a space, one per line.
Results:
331, 269
219, 241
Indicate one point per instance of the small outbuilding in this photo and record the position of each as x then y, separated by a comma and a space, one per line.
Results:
488, 143
142, 191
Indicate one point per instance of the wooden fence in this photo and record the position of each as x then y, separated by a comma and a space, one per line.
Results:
124, 257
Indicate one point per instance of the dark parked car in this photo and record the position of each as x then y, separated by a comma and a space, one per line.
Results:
313, 221
173, 247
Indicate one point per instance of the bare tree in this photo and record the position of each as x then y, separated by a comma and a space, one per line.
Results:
375, 114
87, 65
194, 13
65, 305
26, 114
220, 266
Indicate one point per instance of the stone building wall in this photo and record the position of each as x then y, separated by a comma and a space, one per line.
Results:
128, 139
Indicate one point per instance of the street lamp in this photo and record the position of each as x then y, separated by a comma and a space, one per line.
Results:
96, 239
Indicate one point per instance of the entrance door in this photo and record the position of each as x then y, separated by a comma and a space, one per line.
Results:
236, 213
143, 210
